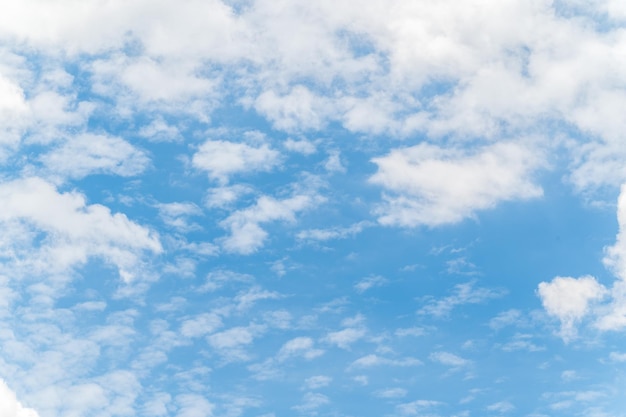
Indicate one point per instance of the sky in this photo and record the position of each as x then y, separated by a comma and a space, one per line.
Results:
271, 208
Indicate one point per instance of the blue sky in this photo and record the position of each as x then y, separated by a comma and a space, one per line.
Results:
223, 208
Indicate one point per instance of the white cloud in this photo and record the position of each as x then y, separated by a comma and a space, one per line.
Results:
333, 232
569, 299
10, 406
334, 163
615, 258
432, 186
177, 215
299, 346
346, 337
248, 298
410, 331
312, 401
193, 405
218, 278
370, 282
391, 393
371, 360
317, 381
222, 159
88, 154
246, 234
74, 230
501, 407
302, 146
200, 325
222, 197
505, 318
449, 359
416, 407
463, 294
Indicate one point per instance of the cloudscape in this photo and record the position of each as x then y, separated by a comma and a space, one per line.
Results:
271, 208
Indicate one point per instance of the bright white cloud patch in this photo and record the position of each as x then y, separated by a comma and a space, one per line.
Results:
569, 299
247, 236
74, 230
10, 406
430, 185
95, 154
222, 159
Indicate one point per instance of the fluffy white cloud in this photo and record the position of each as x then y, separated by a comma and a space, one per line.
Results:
615, 257
375, 360
299, 346
569, 299
431, 185
370, 282
87, 154
10, 406
222, 159
246, 234
73, 230
449, 359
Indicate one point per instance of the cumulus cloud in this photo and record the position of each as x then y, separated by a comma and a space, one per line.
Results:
87, 154
74, 230
431, 185
299, 346
222, 159
10, 406
247, 235
449, 359
569, 299
321, 235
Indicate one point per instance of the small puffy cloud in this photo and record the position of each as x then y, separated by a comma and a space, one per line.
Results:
312, 401
304, 147
317, 381
193, 405
231, 343
299, 346
346, 337
369, 282
372, 360
88, 154
431, 185
334, 164
177, 214
200, 325
569, 300
449, 359
10, 406
221, 197
75, 230
501, 407
505, 318
415, 408
615, 255
222, 159
247, 235
221, 277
